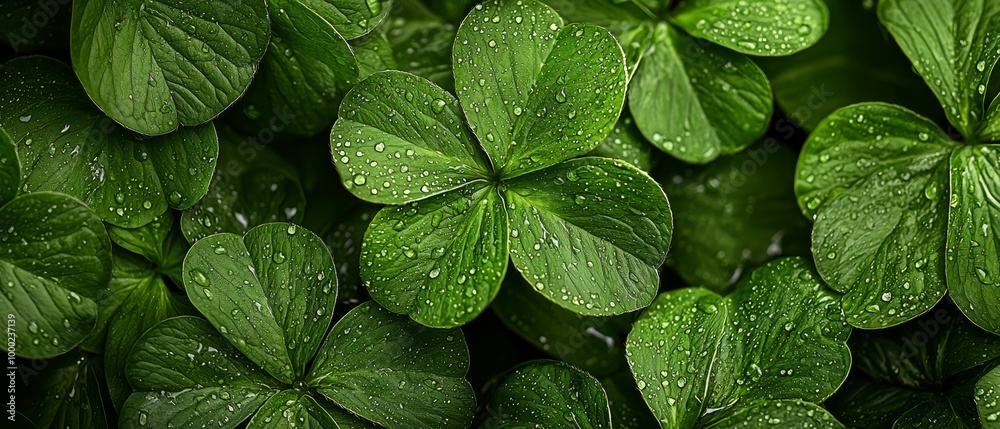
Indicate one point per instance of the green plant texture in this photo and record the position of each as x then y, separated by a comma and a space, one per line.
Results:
500, 214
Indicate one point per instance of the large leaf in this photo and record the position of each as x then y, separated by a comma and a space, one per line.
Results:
10, 168
954, 45
394, 372
697, 101
769, 28
439, 260
733, 214
55, 259
548, 394
589, 234
973, 253
779, 336
66, 393
875, 179
155, 65
185, 374
400, 138
536, 92
271, 293
74, 149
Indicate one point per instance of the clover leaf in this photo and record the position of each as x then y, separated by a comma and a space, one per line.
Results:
694, 93
74, 149
934, 371
548, 394
268, 297
532, 101
55, 263
773, 347
309, 63
153, 66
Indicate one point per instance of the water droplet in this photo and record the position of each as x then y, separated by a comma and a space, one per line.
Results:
199, 277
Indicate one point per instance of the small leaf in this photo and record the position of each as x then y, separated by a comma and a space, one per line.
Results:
548, 394
697, 101
973, 253
862, 403
155, 65
954, 46
74, 149
768, 414
439, 260
185, 374
771, 28
422, 41
604, 222
291, 409
874, 177
400, 138
65, 393
394, 372
528, 85
626, 143
56, 262
158, 241
271, 293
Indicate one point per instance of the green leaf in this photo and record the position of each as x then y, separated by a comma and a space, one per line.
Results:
604, 222
66, 393
734, 214
627, 144
987, 392
989, 129
617, 16
439, 260
271, 293
535, 92
400, 138
374, 54
862, 403
56, 261
306, 66
697, 101
973, 254
352, 18
767, 414
854, 62
74, 149
394, 372
291, 409
954, 46
779, 336
548, 394
344, 240
156, 241
10, 168
674, 377
421, 42
144, 300
874, 177
772, 28
235, 203
155, 65
592, 343
185, 374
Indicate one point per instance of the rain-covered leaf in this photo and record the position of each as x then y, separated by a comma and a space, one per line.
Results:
954, 46
733, 214
55, 260
770, 414
143, 300
592, 343
395, 372
186, 374
155, 65
373, 54
439, 260
64, 393
697, 101
973, 253
779, 336
874, 177
989, 130
987, 396
862, 403
626, 143
615, 15
10, 168
603, 223
548, 394
536, 92
74, 149
763, 28
270, 292
400, 138
158, 241
421, 41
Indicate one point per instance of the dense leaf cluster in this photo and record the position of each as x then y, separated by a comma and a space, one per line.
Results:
501, 213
